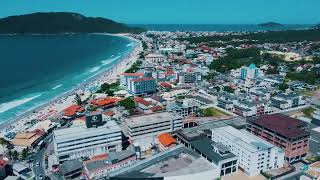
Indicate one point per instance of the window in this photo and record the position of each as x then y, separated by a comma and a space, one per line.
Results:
228, 170
234, 168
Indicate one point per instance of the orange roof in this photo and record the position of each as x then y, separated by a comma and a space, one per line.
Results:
105, 101
72, 110
166, 139
25, 139
109, 113
100, 156
132, 74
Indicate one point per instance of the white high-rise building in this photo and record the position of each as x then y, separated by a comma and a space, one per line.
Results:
255, 154
251, 72
78, 142
140, 127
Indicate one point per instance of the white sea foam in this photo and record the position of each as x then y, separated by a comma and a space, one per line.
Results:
15, 103
129, 45
57, 86
108, 61
94, 69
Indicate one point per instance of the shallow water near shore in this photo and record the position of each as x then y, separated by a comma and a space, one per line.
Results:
36, 68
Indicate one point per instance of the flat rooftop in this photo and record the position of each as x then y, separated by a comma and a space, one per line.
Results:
281, 124
181, 162
82, 131
246, 140
150, 119
205, 127
205, 146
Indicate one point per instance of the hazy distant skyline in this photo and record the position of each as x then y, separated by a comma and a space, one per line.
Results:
176, 11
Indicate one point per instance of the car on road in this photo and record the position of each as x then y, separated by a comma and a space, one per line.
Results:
37, 164
40, 176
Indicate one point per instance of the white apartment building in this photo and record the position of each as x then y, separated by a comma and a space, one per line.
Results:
77, 142
151, 125
125, 78
255, 154
155, 58
287, 101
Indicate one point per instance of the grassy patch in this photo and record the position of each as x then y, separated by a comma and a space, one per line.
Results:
308, 111
212, 112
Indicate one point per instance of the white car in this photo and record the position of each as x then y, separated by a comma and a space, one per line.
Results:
37, 164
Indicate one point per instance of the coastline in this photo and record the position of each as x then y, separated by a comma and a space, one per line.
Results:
60, 102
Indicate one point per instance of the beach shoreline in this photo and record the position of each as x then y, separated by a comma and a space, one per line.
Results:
60, 102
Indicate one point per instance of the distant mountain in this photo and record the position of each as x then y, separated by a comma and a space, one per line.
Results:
270, 24
61, 22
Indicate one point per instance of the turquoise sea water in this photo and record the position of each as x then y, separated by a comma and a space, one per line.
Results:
36, 68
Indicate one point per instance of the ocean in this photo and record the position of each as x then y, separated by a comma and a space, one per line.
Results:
216, 27
36, 68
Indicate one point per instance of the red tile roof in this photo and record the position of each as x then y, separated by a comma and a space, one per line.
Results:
3, 163
72, 110
283, 125
156, 108
142, 101
165, 84
132, 74
142, 79
109, 113
105, 101
166, 139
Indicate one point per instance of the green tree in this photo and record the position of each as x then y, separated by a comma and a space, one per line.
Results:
283, 86
25, 153
3, 143
78, 99
15, 155
308, 111
127, 103
228, 89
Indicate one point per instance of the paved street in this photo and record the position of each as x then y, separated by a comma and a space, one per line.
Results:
39, 158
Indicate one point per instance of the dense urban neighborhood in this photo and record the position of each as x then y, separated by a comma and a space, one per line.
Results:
192, 105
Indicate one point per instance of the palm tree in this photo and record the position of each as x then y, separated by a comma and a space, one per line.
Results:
3, 142
10, 147
7, 145
25, 153
15, 155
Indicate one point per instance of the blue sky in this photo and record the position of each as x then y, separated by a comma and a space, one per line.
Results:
177, 11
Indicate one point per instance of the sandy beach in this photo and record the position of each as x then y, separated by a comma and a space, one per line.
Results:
55, 106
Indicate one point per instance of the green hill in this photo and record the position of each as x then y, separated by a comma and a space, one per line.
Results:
270, 24
61, 22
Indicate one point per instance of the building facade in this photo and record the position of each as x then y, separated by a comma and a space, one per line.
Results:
144, 85
78, 142
185, 108
125, 78
140, 127
155, 58
255, 154
315, 141
286, 101
189, 77
285, 132
251, 72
